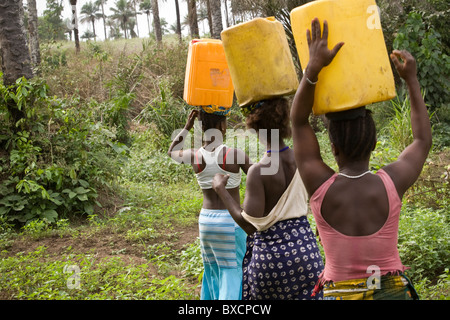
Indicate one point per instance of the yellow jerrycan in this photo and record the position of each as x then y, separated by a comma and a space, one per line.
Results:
207, 79
361, 73
260, 61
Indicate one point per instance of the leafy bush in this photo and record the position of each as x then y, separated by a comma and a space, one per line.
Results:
424, 241
149, 161
56, 156
433, 63
166, 112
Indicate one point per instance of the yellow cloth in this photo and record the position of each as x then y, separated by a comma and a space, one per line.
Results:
391, 287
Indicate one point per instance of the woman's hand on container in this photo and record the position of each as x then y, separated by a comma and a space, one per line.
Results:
319, 54
191, 119
408, 69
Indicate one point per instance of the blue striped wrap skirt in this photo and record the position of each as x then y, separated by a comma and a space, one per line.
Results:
282, 262
223, 245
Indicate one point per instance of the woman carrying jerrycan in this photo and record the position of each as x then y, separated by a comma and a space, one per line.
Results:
222, 241
357, 212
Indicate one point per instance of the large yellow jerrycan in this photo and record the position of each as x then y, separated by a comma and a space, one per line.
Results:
260, 61
361, 73
207, 79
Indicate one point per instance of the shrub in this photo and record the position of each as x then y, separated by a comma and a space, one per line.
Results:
165, 111
433, 64
424, 241
56, 158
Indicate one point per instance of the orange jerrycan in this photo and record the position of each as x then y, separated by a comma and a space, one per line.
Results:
361, 73
207, 79
260, 61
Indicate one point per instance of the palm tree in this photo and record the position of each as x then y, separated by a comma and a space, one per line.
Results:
114, 28
88, 35
177, 9
156, 20
33, 33
192, 16
90, 14
146, 7
216, 13
74, 25
136, 12
204, 13
227, 20
122, 13
101, 3
13, 50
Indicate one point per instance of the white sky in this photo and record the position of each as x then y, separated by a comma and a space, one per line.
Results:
166, 11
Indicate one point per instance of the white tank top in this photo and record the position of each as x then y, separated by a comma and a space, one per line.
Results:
212, 167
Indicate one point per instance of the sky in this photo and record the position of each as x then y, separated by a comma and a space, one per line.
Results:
166, 11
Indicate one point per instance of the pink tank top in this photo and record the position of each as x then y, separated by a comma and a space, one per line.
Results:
355, 257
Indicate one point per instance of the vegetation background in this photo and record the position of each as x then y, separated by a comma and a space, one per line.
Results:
91, 207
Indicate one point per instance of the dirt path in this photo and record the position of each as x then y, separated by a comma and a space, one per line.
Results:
102, 244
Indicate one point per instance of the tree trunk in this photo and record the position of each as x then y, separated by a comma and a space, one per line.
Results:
216, 18
75, 25
193, 20
33, 33
177, 8
136, 17
13, 46
93, 29
208, 11
104, 20
227, 20
156, 20
14, 52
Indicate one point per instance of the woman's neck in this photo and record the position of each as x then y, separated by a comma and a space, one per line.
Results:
354, 167
276, 147
211, 145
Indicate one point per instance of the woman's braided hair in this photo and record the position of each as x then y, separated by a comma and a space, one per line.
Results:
353, 132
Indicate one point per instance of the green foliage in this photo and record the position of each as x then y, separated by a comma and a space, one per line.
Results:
191, 261
166, 112
149, 163
399, 127
50, 25
424, 241
53, 58
433, 63
382, 155
35, 276
438, 291
56, 157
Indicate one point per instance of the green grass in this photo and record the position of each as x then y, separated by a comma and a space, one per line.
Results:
37, 275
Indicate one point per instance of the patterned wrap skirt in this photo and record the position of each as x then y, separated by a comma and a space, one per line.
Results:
282, 263
222, 244
389, 287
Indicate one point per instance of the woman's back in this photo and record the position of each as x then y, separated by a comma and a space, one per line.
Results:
264, 190
275, 185
222, 160
357, 239
356, 207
